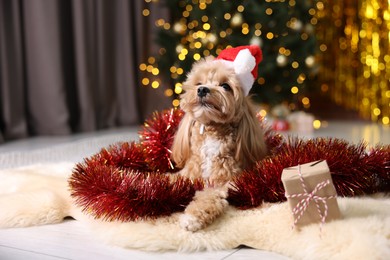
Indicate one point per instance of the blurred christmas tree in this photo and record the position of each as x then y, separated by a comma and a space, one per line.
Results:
283, 28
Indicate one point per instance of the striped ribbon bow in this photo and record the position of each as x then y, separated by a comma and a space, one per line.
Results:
307, 197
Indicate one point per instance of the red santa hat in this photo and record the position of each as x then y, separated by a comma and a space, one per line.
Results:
245, 61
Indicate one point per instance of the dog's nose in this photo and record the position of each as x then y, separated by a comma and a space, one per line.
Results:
202, 91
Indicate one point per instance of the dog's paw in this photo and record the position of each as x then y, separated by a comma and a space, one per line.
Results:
190, 222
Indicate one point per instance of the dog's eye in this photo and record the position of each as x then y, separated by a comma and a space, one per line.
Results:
226, 86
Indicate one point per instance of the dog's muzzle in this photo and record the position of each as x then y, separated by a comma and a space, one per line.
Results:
203, 91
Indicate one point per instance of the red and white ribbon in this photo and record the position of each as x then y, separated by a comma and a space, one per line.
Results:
308, 197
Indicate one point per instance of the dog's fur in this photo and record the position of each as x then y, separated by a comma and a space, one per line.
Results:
218, 137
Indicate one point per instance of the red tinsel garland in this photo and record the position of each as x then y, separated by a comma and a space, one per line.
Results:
122, 155
129, 181
120, 194
157, 137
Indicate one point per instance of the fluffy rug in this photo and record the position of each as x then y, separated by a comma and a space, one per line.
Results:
38, 194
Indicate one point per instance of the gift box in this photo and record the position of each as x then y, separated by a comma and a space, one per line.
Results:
301, 122
311, 193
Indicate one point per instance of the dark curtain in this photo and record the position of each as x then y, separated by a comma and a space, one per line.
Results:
72, 66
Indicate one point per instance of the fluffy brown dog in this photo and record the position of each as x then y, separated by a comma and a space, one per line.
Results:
218, 137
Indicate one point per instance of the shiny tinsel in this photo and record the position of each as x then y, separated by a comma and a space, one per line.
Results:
122, 155
157, 136
115, 193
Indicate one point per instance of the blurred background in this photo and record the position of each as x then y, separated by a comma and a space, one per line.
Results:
84, 65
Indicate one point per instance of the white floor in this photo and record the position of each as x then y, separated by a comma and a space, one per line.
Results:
70, 240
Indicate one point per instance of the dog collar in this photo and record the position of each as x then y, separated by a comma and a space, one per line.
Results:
201, 129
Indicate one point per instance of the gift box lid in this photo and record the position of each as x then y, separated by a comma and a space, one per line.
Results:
312, 168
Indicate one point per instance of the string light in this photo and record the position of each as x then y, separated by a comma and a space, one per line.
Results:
305, 101
176, 103
196, 56
168, 92
263, 113
281, 60
310, 61
261, 81
295, 64
145, 12
206, 26
317, 124
178, 88
270, 36
236, 20
245, 30
189, 8
160, 22
155, 84
202, 6
142, 66
149, 68
145, 81
301, 78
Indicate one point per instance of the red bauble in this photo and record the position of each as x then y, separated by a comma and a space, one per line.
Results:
280, 125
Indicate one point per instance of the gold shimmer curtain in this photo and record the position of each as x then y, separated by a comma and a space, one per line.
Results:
355, 44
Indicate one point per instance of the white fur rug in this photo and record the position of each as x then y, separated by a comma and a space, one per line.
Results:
38, 194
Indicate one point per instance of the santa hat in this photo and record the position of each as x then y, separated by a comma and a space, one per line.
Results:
245, 61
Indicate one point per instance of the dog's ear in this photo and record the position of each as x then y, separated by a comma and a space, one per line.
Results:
250, 138
181, 144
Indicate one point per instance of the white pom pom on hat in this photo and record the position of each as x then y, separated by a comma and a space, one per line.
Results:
245, 61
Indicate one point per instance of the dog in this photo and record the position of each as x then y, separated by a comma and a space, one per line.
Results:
219, 135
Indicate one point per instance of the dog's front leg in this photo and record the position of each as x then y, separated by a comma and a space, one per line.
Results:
205, 207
